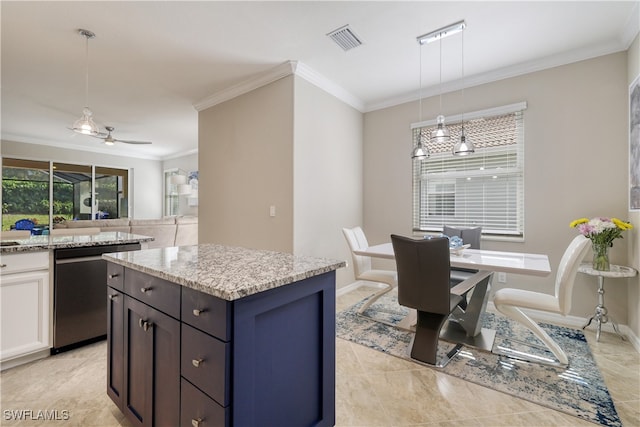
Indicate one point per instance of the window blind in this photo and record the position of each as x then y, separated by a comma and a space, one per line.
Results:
485, 188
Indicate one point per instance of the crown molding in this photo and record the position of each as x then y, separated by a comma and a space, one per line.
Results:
318, 80
261, 79
632, 28
278, 72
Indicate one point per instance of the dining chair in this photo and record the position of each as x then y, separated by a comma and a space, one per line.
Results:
469, 236
511, 302
423, 284
356, 240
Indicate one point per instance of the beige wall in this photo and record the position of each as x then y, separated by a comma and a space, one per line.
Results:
245, 148
633, 61
327, 175
146, 179
576, 155
289, 145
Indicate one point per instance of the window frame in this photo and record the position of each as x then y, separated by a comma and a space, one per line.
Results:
450, 170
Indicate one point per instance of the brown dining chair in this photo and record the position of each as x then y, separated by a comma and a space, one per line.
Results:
424, 284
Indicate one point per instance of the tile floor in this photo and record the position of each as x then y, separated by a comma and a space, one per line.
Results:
372, 389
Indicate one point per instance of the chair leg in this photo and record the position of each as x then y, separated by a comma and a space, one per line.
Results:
519, 316
375, 297
425, 343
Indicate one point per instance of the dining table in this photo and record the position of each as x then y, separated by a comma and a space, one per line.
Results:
465, 325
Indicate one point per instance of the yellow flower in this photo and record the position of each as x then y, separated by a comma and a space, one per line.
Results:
621, 224
578, 222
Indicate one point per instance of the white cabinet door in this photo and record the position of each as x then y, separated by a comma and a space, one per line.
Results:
24, 308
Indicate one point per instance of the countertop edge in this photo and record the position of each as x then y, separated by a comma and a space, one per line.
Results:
330, 265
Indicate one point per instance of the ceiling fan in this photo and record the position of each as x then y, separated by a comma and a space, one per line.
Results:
110, 140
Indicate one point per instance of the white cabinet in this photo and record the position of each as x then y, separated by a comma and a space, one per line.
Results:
24, 305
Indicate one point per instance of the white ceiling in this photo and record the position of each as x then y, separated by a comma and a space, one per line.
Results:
152, 61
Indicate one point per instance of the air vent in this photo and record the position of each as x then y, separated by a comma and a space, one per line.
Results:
345, 38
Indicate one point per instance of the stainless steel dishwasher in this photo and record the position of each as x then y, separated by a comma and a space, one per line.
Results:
80, 295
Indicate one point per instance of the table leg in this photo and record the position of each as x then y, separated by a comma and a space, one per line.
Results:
601, 313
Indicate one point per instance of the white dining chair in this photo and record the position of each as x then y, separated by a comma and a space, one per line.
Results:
510, 302
362, 266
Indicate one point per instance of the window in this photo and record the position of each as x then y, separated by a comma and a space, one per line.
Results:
484, 189
26, 194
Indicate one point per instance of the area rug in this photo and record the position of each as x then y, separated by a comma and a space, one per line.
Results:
578, 390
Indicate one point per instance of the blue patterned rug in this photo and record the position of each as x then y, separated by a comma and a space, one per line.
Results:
578, 390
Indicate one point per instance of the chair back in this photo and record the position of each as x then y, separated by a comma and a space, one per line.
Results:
357, 240
567, 270
469, 236
24, 224
423, 273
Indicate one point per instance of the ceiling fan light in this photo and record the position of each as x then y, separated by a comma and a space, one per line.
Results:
85, 124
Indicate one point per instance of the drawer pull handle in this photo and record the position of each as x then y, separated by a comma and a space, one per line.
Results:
3, 265
197, 362
145, 290
113, 276
197, 312
195, 422
114, 296
144, 324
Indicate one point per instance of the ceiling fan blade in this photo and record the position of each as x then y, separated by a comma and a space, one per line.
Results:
132, 142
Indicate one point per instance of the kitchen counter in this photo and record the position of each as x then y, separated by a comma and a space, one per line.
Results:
229, 273
43, 243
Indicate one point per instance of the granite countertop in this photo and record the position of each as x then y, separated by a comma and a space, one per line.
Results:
42, 243
229, 273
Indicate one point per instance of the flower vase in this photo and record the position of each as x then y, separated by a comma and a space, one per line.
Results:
601, 256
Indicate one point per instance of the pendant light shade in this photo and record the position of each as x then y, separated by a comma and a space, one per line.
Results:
420, 151
463, 147
441, 133
85, 124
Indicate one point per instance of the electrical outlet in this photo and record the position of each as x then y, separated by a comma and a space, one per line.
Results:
502, 277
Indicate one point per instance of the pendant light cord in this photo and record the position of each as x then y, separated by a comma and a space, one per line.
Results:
440, 45
86, 92
462, 62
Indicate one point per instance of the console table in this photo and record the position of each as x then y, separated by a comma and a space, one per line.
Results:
600, 315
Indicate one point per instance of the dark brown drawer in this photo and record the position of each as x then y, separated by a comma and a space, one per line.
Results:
115, 276
206, 362
207, 313
198, 410
158, 293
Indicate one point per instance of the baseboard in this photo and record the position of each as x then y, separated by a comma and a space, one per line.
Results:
21, 360
355, 285
575, 322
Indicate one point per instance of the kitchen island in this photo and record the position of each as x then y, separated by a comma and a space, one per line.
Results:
216, 335
54, 280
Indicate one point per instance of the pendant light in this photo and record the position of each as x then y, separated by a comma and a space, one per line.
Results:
85, 124
441, 133
420, 151
463, 147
